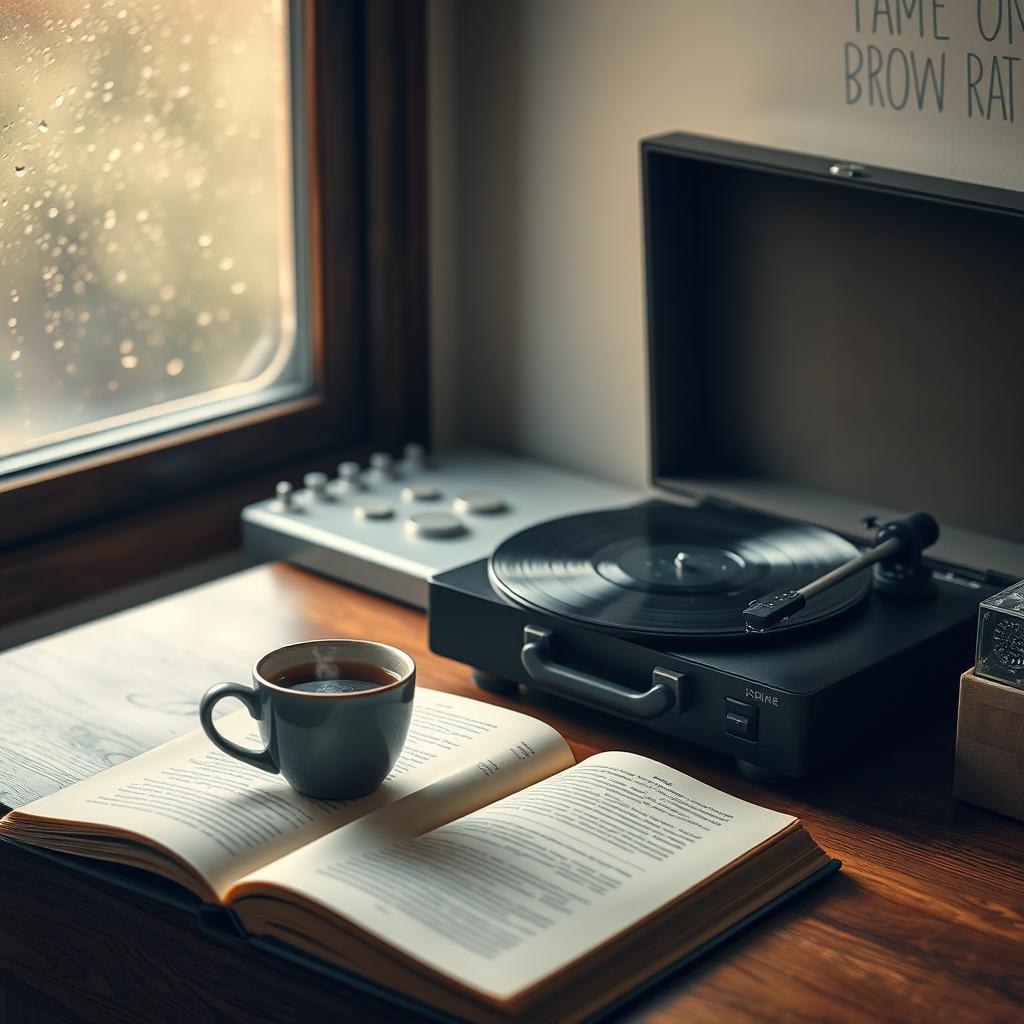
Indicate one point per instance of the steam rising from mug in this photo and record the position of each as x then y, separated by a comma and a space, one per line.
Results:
327, 676
325, 668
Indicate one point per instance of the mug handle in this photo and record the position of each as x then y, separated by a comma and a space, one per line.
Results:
247, 695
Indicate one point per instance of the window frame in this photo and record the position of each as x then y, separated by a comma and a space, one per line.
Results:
364, 79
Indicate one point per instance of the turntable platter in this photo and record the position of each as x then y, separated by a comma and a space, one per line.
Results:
664, 570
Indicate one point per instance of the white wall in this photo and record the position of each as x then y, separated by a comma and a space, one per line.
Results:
537, 108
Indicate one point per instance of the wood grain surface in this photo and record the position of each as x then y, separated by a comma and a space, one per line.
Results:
925, 923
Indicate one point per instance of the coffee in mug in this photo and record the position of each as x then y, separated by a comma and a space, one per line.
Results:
332, 714
339, 677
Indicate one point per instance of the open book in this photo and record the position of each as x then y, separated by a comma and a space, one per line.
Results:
489, 876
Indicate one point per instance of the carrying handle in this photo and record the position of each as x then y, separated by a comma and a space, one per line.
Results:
247, 695
665, 693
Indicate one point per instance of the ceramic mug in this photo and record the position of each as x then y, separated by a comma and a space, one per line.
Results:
333, 714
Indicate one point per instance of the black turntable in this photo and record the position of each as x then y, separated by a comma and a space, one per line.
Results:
758, 606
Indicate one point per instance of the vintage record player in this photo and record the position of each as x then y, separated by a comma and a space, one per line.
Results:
830, 347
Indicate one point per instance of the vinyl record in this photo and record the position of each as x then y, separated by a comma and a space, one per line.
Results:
665, 570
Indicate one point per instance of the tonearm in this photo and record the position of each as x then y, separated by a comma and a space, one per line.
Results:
899, 570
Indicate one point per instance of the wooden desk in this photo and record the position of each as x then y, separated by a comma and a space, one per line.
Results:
925, 923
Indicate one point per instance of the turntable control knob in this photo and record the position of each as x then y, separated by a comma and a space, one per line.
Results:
382, 466
420, 492
285, 498
348, 476
479, 503
434, 525
316, 484
414, 457
373, 510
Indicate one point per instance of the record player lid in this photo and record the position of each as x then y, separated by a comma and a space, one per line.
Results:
830, 348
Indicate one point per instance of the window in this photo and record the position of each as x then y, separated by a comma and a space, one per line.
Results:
146, 220
267, 162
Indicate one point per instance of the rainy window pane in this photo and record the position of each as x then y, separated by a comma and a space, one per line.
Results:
147, 272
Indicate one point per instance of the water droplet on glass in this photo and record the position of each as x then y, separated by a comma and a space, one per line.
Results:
19, 170
174, 367
13, 322
112, 385
142, 215
59, 101
114, 154
129, 362
52, 212
204, 319
15, 355
167, 292
227, 263
43, 127
238, 288
205, 241
121, 276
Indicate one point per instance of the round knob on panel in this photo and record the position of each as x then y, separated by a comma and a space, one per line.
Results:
373, 510
316, 484
348, 476
414, 456
382, 465
434, 524
479, 502
285, 498
420, 492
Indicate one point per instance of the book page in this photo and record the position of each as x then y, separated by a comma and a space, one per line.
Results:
505, 770
519, 889
227, 818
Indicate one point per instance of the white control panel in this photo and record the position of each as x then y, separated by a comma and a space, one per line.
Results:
391, 525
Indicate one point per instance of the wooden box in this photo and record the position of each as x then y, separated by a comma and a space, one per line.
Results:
990, 745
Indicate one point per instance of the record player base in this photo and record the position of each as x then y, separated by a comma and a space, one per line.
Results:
792, 709
490, 683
